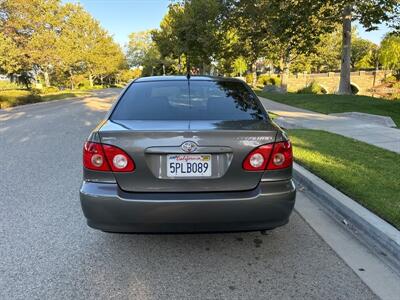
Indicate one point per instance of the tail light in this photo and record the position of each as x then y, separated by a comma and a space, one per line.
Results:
101, 157
258, 159
282, 156
269, 157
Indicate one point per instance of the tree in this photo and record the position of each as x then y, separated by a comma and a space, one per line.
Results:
152, 62
98, 48
295, 28
9, 63
42, 45
389, 53
327, 52
228, 53
86, 48
369, 13
361, 51
108, 58
128, 75
240, 66
144, 51
191, 31
277, 30
324, 58
53, 39
33, 28
138, 46
166, 40
247, 20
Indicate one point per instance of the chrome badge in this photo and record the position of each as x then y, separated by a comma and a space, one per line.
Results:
189, 146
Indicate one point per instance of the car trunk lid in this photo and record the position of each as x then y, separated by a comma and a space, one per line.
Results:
150, 142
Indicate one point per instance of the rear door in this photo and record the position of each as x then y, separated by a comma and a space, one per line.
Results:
156, 123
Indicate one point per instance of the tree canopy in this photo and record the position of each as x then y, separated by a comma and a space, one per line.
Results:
369, 13
49, 41
52, 42
299, 35
389, 52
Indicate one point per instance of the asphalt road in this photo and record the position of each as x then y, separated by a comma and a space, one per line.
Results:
48, 252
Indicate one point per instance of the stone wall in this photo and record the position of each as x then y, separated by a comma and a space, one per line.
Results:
362, 80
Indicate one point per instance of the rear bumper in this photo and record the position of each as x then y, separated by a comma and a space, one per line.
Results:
108, 208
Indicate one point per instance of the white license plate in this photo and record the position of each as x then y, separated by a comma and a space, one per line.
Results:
189, 165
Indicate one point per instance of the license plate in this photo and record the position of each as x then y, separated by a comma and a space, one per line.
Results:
189, 165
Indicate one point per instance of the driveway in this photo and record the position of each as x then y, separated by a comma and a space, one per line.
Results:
48, 252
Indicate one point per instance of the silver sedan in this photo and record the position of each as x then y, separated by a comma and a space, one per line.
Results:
178, 154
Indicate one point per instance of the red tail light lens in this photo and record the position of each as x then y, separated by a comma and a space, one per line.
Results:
269, 157
102, 157
94, 157
282, 156
118, 159
258, 158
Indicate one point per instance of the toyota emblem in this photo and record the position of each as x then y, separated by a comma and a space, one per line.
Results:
189, 146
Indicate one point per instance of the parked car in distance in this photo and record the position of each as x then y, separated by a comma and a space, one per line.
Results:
178, 154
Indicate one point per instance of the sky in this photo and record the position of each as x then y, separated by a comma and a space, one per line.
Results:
121, 17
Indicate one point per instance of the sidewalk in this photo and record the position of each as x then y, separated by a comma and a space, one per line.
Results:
374, 134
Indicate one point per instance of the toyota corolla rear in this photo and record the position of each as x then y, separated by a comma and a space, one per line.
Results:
186, 155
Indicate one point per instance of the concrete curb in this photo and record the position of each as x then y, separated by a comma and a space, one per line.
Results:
379, 235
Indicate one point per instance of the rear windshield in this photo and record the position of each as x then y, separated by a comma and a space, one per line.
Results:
187, 100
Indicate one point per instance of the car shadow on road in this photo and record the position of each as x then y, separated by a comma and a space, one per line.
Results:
223, 262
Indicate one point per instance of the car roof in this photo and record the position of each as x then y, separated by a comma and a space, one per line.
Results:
182, 78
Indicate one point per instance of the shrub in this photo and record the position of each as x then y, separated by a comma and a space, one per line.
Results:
7, 85
128, 75
265, 79
312, 88
249, 78
390, 79
18, 97
50, 90
84, 84
36, 91
275, 81
396, 86
80, 81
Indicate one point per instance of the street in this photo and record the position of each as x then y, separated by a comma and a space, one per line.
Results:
48, 252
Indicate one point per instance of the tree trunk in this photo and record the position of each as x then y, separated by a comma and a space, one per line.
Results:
90, 79
71, 78
285, 65
254, 72
375, 73
46, 78
344, 85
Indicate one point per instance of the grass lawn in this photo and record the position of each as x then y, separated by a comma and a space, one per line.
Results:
367, 174
10, 98
330, 103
